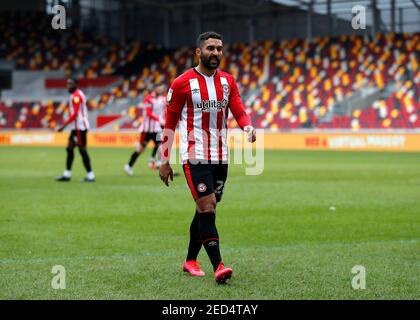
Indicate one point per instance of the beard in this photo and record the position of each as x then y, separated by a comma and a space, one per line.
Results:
71, 90
210, 62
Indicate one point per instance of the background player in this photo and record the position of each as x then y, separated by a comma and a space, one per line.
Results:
78, 136
153, 121
201, 99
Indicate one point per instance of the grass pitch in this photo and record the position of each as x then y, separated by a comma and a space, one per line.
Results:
126, 237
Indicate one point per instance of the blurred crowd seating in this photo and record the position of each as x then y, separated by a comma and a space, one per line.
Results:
117, 55
307, 79
285, 85
295, 83
28, 39
31, 115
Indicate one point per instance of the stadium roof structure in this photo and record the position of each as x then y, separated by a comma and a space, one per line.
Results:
381, 15
174, 23
406, 12
392, 15
402, 13
237, 6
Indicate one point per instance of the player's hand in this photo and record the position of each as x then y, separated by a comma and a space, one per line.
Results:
166, 173
251, 133
162, 123
60, 129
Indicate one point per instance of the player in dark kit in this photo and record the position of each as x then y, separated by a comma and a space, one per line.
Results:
200, 100
78, 136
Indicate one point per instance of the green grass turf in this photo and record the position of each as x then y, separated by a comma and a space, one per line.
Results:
126, 237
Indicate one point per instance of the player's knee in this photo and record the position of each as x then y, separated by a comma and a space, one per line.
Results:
206, 207
206, 204
82, 149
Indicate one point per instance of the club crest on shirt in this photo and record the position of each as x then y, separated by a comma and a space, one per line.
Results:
76, 99
226, 89
201, 187
169, 96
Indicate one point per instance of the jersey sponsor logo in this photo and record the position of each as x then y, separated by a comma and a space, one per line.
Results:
201, 187
208, 105
169, 96
226, 89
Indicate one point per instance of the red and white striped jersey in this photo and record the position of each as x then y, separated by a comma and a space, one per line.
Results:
201, 104
153, 113
78, 111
